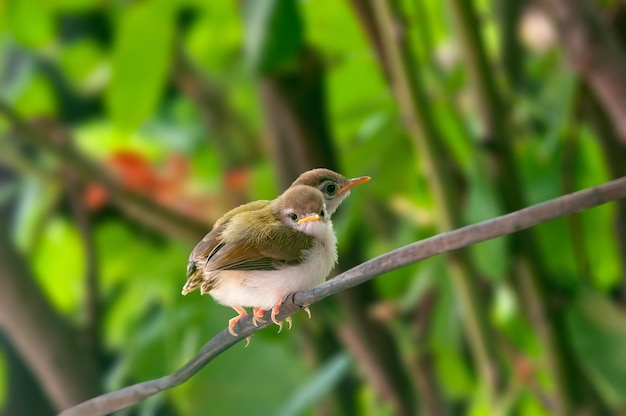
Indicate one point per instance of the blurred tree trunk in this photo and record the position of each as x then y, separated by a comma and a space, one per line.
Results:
299, 140
511, 51
295, 109
230, 135
41, 336
595, 52
410, 94
24, 394
528, 274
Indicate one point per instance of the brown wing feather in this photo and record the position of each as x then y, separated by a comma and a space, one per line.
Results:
260, 248
240, 247
250, 206
199, 257
202, 252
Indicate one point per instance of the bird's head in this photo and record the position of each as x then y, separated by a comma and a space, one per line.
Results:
303, 208
333, 186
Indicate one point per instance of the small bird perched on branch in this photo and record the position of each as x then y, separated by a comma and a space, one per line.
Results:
260, 252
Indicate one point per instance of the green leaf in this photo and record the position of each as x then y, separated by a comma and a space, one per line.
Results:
81, 62
369, 404
37, 99
445, 343
480, 406
274, 34
36, 201
242, 380
30, 21
59, 264
76, 6
455, 377
319, 385
4, 376
601, 249
490, 256
597, 331
216, 37
529, 405
141, 62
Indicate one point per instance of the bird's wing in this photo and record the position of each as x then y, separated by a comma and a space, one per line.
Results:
198, 258
250, 206
233, 245
202, 251
251, 249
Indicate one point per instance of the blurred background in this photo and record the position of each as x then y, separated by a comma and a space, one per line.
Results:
128, 127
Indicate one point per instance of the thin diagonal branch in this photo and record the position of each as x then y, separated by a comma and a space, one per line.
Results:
412, 253
230, 134
141, 207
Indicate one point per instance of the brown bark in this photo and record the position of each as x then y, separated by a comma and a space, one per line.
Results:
294, 103
594, 52
300, 139
228, 132
41, 336
23, 393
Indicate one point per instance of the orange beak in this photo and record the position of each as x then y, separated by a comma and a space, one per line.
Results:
310, 218
352, 183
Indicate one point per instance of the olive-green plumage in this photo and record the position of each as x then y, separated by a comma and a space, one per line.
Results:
235, 245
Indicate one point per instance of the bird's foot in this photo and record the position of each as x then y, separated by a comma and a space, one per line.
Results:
280, 324
276, 311
306, 308
248, 338
257, 316
233, 321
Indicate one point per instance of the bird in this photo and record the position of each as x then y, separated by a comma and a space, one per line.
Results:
260, 252
334, 186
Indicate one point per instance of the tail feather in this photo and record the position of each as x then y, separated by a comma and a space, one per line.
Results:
195, 278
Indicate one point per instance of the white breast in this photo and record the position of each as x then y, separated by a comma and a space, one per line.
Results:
265, 288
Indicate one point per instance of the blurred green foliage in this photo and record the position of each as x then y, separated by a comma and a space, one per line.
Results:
107, 71
140, 63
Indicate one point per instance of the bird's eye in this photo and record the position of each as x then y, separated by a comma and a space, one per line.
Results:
294, 217
322, 214
330, 189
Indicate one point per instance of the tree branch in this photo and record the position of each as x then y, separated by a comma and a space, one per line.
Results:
139, 206
412, 253
229, 133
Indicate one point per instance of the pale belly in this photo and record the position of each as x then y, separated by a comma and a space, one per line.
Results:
264, 288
